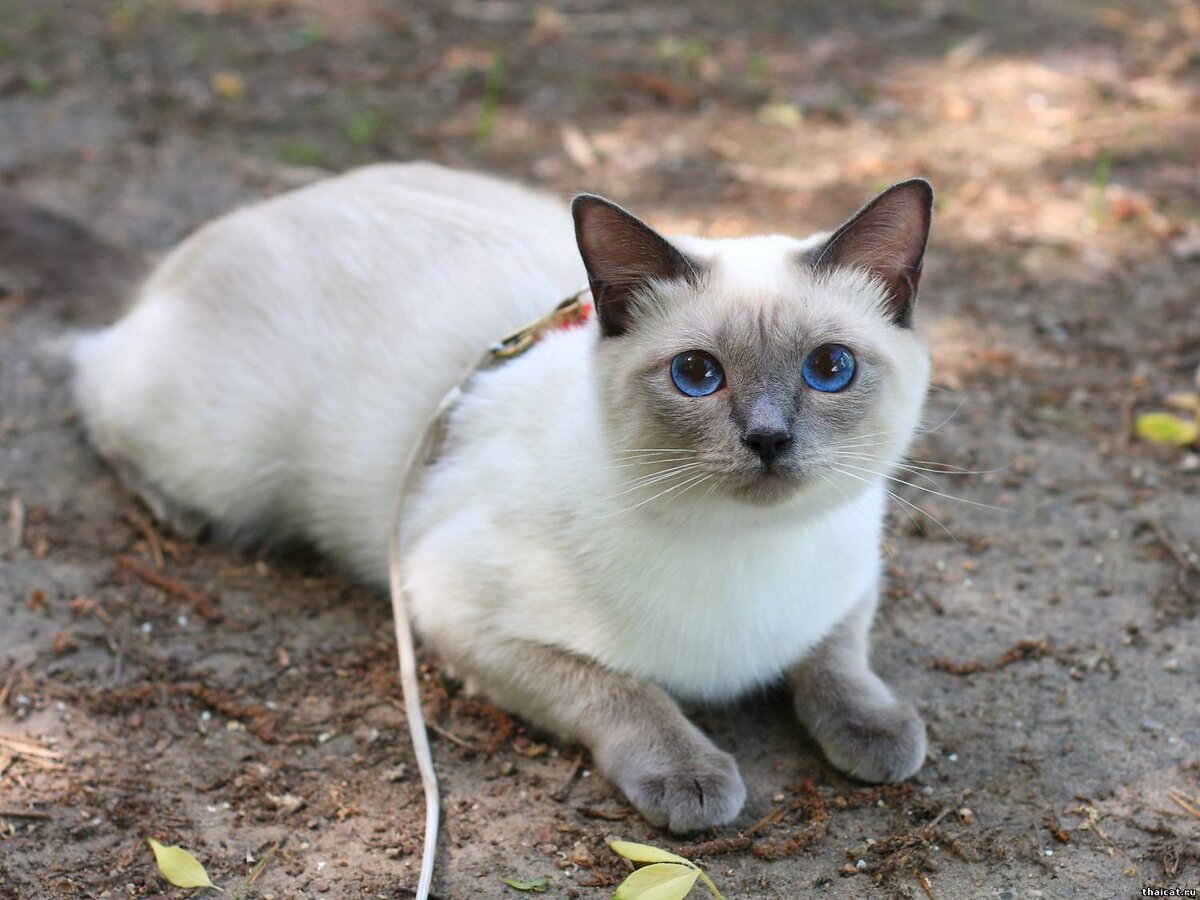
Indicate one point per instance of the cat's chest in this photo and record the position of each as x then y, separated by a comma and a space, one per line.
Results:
713, 616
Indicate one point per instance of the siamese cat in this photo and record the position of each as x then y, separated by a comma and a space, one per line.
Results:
681, 500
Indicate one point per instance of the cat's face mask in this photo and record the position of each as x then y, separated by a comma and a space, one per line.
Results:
764, 370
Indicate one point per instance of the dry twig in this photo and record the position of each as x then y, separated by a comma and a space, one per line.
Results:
153, 541
23, 814
203, 606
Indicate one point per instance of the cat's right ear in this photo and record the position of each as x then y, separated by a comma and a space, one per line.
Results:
887, 237
623, 257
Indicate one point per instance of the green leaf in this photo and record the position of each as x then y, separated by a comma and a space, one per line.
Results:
537, 885
179, 867
1166, 429
660, 881
644, 853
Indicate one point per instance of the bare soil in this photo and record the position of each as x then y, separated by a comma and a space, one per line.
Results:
244, 704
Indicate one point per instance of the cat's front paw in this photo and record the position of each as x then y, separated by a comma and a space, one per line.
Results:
876, 745
688, 792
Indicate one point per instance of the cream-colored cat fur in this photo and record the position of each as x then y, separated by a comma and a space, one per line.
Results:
593, 541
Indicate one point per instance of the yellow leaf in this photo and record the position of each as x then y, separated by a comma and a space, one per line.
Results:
782, 115
229, 86
661, 881
179, 867
1164, 428
644, 853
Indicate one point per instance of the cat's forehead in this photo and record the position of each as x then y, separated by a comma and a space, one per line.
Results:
752, 264
768, 284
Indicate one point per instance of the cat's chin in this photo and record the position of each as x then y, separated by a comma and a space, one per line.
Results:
767, 489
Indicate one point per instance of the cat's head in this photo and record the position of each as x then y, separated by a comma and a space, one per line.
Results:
769, 370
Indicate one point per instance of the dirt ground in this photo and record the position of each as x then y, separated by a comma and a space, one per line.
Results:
245, 705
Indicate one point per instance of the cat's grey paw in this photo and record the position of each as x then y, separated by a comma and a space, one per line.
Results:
876, 745
690, 793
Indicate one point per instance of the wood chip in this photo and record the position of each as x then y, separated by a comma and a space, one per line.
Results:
1187, 803
8, 686
925, 885
16, 524
25, 747
578, 148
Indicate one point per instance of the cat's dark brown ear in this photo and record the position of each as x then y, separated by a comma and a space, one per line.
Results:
887, 237
623, 255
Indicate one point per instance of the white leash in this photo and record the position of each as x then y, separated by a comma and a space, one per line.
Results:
425, 452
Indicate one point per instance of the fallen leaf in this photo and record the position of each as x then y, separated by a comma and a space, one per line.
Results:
644, 853
783, 115
179, 867
229, 86
1166, 429
661, 881
538, 885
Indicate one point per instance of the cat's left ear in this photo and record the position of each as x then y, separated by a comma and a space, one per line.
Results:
887, 237
623, 256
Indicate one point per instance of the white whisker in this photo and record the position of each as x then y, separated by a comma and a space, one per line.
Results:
900, 499
687, 483
917, 469
918, 487
655, 477
647, 462
640, 451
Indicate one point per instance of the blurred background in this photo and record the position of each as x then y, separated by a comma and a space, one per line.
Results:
1051, 643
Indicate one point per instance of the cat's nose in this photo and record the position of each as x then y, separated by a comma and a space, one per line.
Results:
768, 443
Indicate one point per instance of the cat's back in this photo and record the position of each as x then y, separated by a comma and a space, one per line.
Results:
432, 225
277, 363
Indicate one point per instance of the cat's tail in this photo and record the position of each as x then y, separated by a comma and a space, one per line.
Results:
62, 263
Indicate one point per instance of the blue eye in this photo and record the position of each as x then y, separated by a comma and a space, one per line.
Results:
829, 368
697, 373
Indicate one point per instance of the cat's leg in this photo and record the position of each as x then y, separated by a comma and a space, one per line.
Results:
849, 710
638, 736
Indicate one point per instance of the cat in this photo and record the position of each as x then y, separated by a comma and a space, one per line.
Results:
682, 500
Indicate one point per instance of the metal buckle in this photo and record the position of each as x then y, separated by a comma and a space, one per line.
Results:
517, 342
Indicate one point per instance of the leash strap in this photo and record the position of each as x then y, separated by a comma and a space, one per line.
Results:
570, 312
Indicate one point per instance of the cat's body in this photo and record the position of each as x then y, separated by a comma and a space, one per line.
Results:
591, 535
